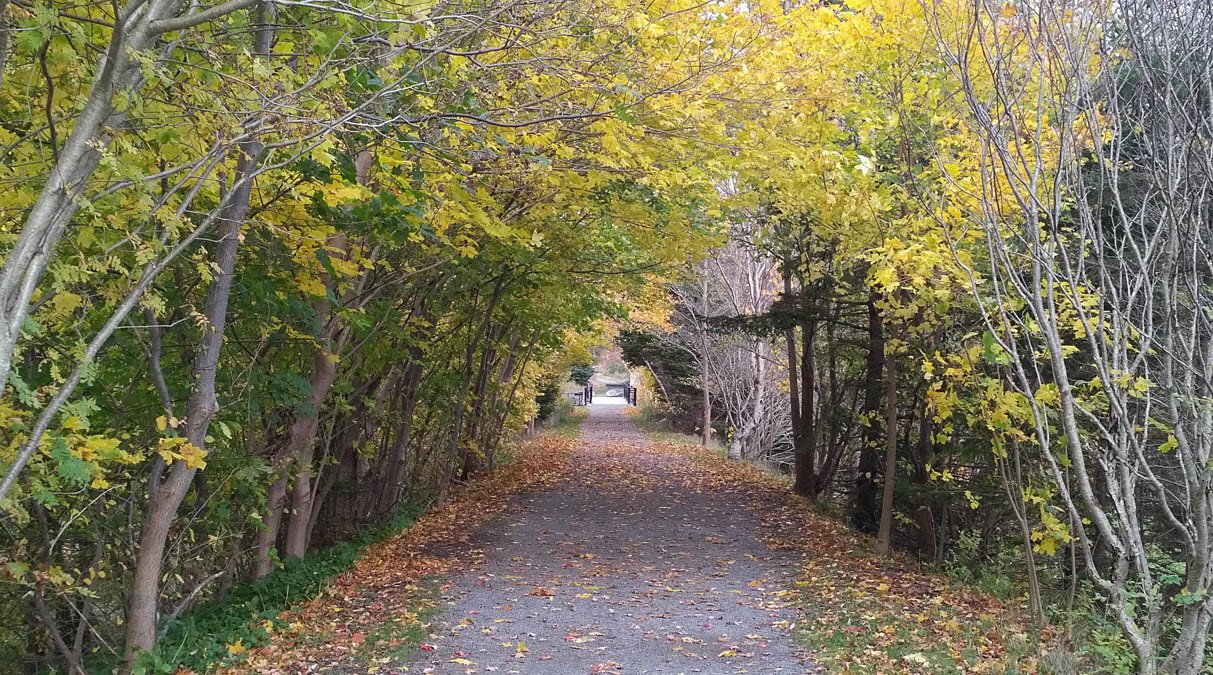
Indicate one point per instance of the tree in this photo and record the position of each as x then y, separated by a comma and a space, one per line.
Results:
1086, 252
582, 373
354, 250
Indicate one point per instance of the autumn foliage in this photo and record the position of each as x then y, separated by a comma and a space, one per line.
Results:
276, 272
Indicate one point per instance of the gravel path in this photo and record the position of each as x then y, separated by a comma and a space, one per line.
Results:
628, 568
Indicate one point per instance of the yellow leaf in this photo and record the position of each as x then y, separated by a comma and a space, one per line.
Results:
310, 285
65, 302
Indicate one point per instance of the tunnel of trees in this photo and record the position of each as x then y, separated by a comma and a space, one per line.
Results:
276, 272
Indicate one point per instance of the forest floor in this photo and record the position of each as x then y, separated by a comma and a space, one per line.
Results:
612, 554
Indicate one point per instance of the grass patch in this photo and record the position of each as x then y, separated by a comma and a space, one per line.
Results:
657, 427
397, 637
219, 632
567, 423
861, 630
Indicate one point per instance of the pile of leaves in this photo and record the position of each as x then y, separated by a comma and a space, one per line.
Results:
375, 610
866, 613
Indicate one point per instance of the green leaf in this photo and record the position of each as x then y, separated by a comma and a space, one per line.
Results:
987, 347
1185, 597
18, 569
1168, 445
69, 467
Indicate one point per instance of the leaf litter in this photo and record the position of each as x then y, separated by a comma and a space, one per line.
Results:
615, 554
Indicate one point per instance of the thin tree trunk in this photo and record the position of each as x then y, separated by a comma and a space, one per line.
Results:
1013, 485
924, 515
704, 374
395, 471
324, 373
267, 537
884, 536
864, 513
705, 438
166, 497
472, 453
448, 470
301, 449
805, 479
793, 372
665, 395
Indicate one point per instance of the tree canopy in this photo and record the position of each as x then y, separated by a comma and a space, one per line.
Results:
275, 269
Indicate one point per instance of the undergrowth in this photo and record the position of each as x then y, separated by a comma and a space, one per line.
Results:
221, 631
566, 420
657, 426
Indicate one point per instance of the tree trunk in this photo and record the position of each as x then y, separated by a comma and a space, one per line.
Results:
804, 442
705, 376
267, 538
165, 498
864, 513
924, 516
884, 536
300, 451
473, 452
324, 373
513, 365
396, 470
793, 374
705, 438
474, 339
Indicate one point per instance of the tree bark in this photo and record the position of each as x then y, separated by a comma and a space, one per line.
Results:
704, 372
884, 535
474, 339
805, 473
302, 446
793, 371
864, 513
300, 449
924, 515
165, 498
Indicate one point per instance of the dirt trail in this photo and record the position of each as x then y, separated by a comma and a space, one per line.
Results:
632, 566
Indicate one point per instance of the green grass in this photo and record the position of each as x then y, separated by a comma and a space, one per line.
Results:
658, 429
566, 423
248, 613
397, 637
856, 635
